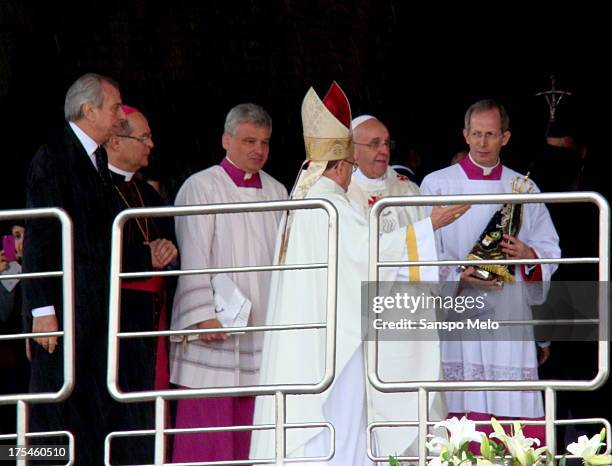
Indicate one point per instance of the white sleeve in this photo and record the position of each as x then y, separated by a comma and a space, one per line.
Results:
420, 245
540, 234
193, 302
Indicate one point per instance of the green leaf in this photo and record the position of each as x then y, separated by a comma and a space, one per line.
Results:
393, 461
485, 449
530, 457
600, 460
563, 461
499, 448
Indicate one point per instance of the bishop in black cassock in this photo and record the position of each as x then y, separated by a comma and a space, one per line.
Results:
148, 245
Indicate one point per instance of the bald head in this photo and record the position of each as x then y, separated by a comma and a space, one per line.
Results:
372, 152
130, 148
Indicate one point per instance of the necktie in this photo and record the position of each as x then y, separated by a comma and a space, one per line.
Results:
102, 164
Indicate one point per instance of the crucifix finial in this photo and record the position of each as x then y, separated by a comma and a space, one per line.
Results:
553, 97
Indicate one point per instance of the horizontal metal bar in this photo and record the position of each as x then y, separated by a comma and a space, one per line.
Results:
561, 260
196, 430
454, 199
26, 276
215, 392
229, 208
22, 336
259, 268
522, 421
51, 433
304, 425
271, 328
317, 459
484, 385
43, 212
375, 425
29, 397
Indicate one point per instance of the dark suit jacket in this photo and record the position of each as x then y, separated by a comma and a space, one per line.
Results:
62, 175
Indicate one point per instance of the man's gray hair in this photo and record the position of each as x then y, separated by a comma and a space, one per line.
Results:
88, 88
483, 106
246, 113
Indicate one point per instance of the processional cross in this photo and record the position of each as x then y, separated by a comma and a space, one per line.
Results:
553, 97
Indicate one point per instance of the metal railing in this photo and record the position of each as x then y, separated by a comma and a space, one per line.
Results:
548, 386
279, 391
21, 400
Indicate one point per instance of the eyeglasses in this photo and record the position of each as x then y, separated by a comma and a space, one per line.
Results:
487, 136
142, 139
354, 164
376, 144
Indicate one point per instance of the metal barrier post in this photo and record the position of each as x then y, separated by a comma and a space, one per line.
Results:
22, 426
549, 387
279, 391
160, 439
281, 418
67, 274
550, 409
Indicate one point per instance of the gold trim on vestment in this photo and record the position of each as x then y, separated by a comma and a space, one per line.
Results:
412, 248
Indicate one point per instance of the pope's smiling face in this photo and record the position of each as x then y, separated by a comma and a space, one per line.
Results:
372, 148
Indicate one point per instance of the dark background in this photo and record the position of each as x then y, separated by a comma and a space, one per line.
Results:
185, 63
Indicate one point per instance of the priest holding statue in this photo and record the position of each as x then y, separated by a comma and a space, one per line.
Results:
490, 232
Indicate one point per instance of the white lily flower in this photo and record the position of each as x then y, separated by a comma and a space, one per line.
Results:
587, 449
520, 443
519, 439
519, 446
460, 430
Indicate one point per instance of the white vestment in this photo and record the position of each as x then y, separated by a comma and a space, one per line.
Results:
298, 356
223, 240
494, 359
365, 191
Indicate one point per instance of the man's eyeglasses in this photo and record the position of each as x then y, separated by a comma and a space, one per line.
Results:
376, 144
486, 136
354, 164
142, 139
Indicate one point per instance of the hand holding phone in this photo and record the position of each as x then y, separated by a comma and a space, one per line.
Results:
8, 246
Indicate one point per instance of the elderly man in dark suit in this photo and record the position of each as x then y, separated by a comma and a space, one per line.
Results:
70, 171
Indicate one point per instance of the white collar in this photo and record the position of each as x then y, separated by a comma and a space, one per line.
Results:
86, 141
128, 175
360, 176
486, 171
329, 184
